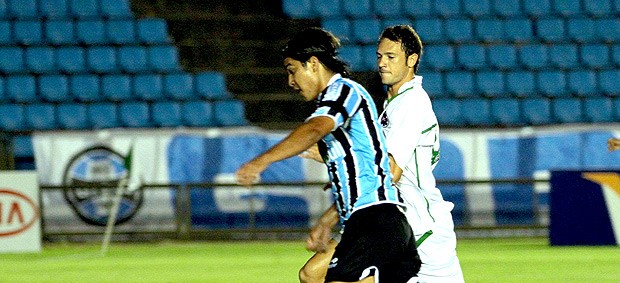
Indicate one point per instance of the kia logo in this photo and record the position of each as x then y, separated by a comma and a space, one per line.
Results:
17, 212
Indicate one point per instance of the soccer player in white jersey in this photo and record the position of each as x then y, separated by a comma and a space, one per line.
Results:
377, 243
412, 135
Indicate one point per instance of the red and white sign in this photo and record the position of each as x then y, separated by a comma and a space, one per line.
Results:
20, 229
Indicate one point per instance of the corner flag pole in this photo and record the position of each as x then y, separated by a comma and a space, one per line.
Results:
120, 189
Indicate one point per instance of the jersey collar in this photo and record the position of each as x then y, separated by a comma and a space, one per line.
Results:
417, 80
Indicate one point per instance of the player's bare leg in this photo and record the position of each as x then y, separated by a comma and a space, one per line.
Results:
370, 279
315, 268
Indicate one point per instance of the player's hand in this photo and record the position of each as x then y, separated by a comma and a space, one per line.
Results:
318, 239
249, 173
312, 153
613, 144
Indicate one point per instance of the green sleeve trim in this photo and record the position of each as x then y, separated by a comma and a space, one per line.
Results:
429, 128
423, 238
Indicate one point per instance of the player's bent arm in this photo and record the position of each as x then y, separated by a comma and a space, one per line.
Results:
320, 234
396, 171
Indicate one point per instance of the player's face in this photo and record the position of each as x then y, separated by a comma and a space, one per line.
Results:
392, 62
302, 78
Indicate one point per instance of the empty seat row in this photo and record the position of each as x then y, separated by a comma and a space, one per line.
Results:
447, 8
533, 111
117, 87
457, 30
79, 116
95, 59
26, 9
575, 83
89, 32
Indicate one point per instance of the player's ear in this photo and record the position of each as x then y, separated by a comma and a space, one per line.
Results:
314, 63
411, 60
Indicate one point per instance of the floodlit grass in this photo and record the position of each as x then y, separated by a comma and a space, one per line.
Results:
483, 260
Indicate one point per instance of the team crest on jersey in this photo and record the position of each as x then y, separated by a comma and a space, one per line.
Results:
384, 120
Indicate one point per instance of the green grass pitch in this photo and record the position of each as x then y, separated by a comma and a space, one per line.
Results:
483, 260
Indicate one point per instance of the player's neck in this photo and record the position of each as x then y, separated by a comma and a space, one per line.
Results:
392, 90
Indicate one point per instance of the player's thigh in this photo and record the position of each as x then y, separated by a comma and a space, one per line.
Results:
370, 279
316, 266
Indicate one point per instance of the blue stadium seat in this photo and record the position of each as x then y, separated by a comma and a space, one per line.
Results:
567, 110
70, 59
152, 31
54, 88
582, 83
40, 59
298, 9
148, 87
608, 29
387, 22
521, 83
340, 27
132, 59
502, 57
229, 113
387, 8
518, 30
3, 97
433, 84
103, 115
598, 110
418, 8
477, 8
352, 54
506, 111
90, 32
22, 147
471, 56
369, 57
101, 59
430, 30
534, 56
72, 116
21, 88
476, 112
595, 56
536, 111
40, 116
60, 32
357, 8
3, 10
135, 114
163, 58
615, 54
537, 8
438, 57
365, 30
12, 118
550, 29
608, 82
566, 8
197, 114
552, 83
115, 9
84, 8
22, 9
597, 8
121, 32
490, 30
5, 33
460, 84
179, 86
211, 85
448, 112
491, 84
448, 8
327, 8
167, 114
563, 56
53, 9
506, 8
28, 32
581, 29
459, 30
116, 87
85, 88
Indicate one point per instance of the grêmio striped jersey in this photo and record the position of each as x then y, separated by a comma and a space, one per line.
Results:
354, 151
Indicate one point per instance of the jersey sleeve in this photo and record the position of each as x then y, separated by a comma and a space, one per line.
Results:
340, 103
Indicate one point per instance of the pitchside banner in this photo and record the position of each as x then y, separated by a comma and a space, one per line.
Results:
585, 208
20, 228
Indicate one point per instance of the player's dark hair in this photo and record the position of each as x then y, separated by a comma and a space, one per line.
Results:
317, 42
409, 39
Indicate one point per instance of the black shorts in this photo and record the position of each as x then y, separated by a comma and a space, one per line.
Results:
379, 240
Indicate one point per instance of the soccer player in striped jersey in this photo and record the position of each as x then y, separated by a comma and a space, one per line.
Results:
377, 243
412, 135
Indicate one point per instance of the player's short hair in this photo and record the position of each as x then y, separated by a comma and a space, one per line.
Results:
409, 39
316, 42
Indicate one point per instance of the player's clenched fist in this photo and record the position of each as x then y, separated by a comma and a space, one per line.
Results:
613, 144
249, 173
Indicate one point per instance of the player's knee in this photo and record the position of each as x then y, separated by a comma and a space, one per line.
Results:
306, 275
